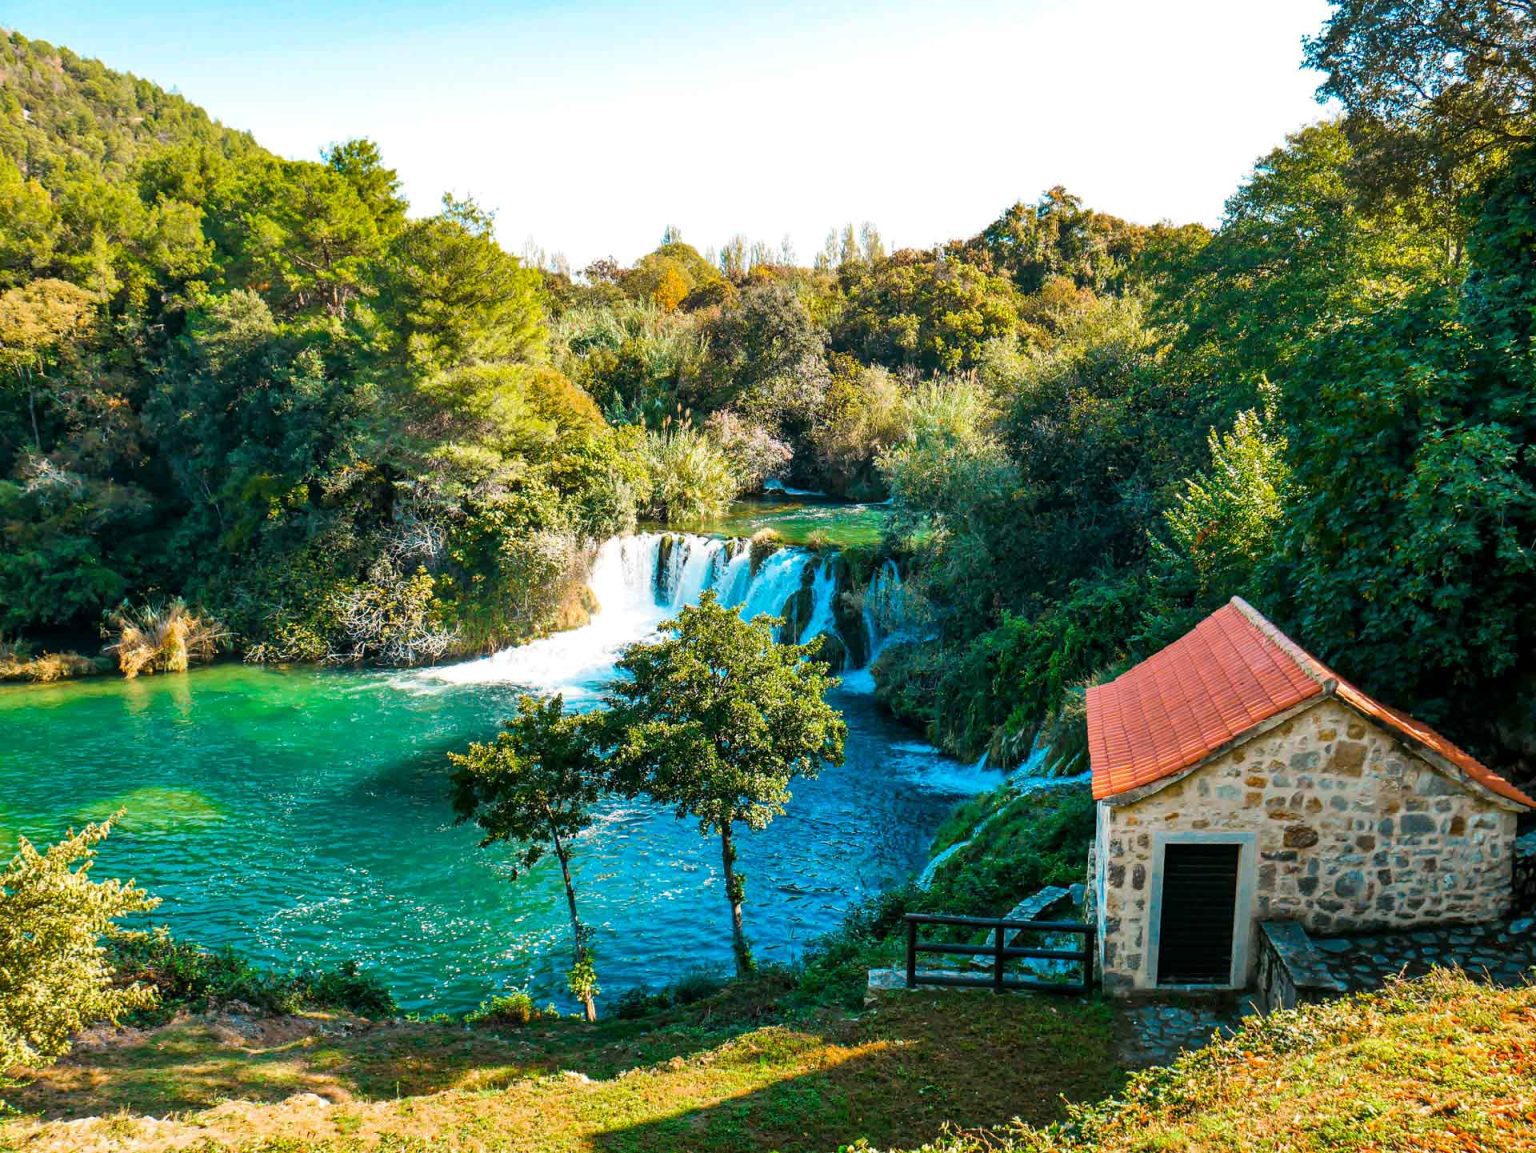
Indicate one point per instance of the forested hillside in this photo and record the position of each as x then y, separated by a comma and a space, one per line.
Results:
354, 434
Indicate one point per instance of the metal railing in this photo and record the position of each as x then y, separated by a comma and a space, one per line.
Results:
1000, 951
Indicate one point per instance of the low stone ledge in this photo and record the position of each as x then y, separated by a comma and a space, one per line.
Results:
1525, 874
1292, 970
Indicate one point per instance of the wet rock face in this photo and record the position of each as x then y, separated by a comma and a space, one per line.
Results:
797, 613
835, 653
848, 614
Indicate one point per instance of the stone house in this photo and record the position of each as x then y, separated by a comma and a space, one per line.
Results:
1240, 781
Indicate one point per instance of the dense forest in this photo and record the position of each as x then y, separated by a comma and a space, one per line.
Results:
355, 434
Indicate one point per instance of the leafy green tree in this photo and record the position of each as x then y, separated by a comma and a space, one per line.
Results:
917, 310
1055, 237
867, 412
535, 787
1298, 253
453, 297
55, 978
304, 233
36, 321
1223, 527
765, 359
1436, 92
1409, 559
716, 719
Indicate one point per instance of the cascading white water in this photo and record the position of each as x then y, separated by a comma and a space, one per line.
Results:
885, 608
885, 618
778, 579
634, 597
823, 589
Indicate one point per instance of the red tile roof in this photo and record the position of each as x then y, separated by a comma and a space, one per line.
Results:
1232, 672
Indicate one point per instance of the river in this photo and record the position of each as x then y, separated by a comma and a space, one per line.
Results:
301, 815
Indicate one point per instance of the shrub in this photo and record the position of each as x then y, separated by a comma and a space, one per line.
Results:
696, 986
638, 1002
691, 477
755, 453
17, 663
163, 639
186, 976
514, 1009
55, 977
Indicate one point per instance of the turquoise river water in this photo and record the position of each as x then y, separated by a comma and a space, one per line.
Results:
302, 815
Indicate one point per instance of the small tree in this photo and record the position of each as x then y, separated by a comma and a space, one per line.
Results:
54, 975
535, 786
716, 719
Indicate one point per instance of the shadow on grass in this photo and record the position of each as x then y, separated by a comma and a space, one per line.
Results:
901, 1075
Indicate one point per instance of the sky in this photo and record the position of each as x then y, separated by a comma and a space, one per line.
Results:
589, 126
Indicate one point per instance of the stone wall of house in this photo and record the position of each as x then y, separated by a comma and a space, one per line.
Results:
1354, 832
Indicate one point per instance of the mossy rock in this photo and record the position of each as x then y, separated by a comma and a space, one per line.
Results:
577, 608
664, 549
797, 612
834, 652
848, 613
764, 544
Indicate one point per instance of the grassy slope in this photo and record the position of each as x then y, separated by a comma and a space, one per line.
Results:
1441, 1064
704, 1078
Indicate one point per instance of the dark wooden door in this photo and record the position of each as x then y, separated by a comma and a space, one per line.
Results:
1199, 901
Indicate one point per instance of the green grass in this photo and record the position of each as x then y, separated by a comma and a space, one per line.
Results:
1436, 1065
732, 1072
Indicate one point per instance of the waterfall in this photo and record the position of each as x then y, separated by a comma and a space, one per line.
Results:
775, 582
823, 589
885, 608
640, 581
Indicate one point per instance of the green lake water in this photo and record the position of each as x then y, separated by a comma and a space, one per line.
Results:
301, 816
799, 518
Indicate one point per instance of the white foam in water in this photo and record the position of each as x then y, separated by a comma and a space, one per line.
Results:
576, 661
632, 605
823, 589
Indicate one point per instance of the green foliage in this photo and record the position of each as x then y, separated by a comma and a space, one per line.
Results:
715, 720
917, 310
1222, 529
867, 413
1032, 244
514, 1009
254, 383
690, 476
55, 976
1434, 93
535, 788
187, 977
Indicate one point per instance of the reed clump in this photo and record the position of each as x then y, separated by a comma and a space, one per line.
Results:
18, 662
165, 638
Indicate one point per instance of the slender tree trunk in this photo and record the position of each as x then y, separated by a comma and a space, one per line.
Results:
588, 1005
37, 437
735, 889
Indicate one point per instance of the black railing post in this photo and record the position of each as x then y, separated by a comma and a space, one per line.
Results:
997, 959
1088, 957
911, 954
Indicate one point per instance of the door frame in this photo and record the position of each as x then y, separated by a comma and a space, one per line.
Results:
1242, 905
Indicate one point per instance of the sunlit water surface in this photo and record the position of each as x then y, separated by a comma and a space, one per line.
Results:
302, 817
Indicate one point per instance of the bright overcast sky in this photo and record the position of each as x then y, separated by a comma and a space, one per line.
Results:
589, 126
